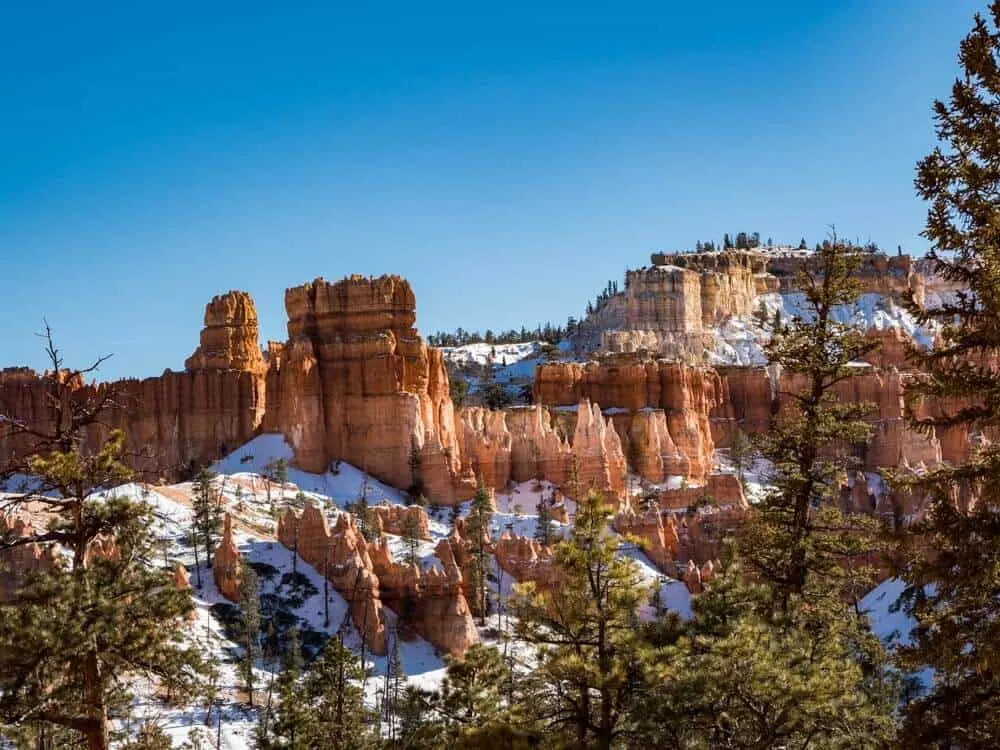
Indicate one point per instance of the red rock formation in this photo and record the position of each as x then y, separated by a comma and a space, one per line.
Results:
171, 420
678, 442
230, 339
722, 490
18, 562
226, 563
394, 519
660, 541
433, 603
356, 382
181, 578
343, 556
527, 560
533, 443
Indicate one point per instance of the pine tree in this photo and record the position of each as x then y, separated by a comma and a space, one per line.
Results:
955, 592
411, 537
740, 679
395, 680
543, 526
415, 492
586, 632
249, 604
470, 709
103, 615
741, 452
206, 509
339, 717
798, 534
477, 525
292, 723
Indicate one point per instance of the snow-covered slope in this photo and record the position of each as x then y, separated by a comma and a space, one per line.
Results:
739, 341
297, 591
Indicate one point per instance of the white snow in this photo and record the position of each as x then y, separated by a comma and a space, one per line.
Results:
739, 341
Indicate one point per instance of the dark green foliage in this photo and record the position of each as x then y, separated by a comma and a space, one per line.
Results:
496, 396
955, 592
799, 534
81, 633
742, 680
741, 450
543, 526
458, 387
206, 506
461, 337
477, 525
249, 627
590, 650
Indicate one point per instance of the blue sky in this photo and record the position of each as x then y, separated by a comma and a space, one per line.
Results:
508, 159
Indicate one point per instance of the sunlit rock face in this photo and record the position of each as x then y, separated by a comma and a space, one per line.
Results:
660, 410
356, 382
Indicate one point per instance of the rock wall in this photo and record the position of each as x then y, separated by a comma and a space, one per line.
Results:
17, 562
169, 421
356, 382
660, 410
515, 445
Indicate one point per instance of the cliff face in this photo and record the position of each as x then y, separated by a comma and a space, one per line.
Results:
355, 381
171, 420
661, 409
230, 339
527, 443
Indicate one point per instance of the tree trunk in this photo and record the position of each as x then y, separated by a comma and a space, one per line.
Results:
97, 734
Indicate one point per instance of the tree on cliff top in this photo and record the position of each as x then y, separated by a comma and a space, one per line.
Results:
102, 614
955, 594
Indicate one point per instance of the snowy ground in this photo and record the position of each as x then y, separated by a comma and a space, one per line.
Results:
739, 341
254, 503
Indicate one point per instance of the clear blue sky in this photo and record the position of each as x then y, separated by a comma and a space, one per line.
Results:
507, 158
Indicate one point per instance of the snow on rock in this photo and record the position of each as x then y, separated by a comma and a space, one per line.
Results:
739, 341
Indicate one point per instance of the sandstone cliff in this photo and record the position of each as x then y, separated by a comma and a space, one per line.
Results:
515, 445
170, 421
356, 382
662, 409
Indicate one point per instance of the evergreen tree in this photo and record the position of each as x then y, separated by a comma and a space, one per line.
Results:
477, 525
103, 616
249, 604
395, 680
470, 705
543, 527
798, 530
206, 509
458, 387
411, 537
415, 492
741, 452
955, 591
586, 632
741, 679
339, 719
